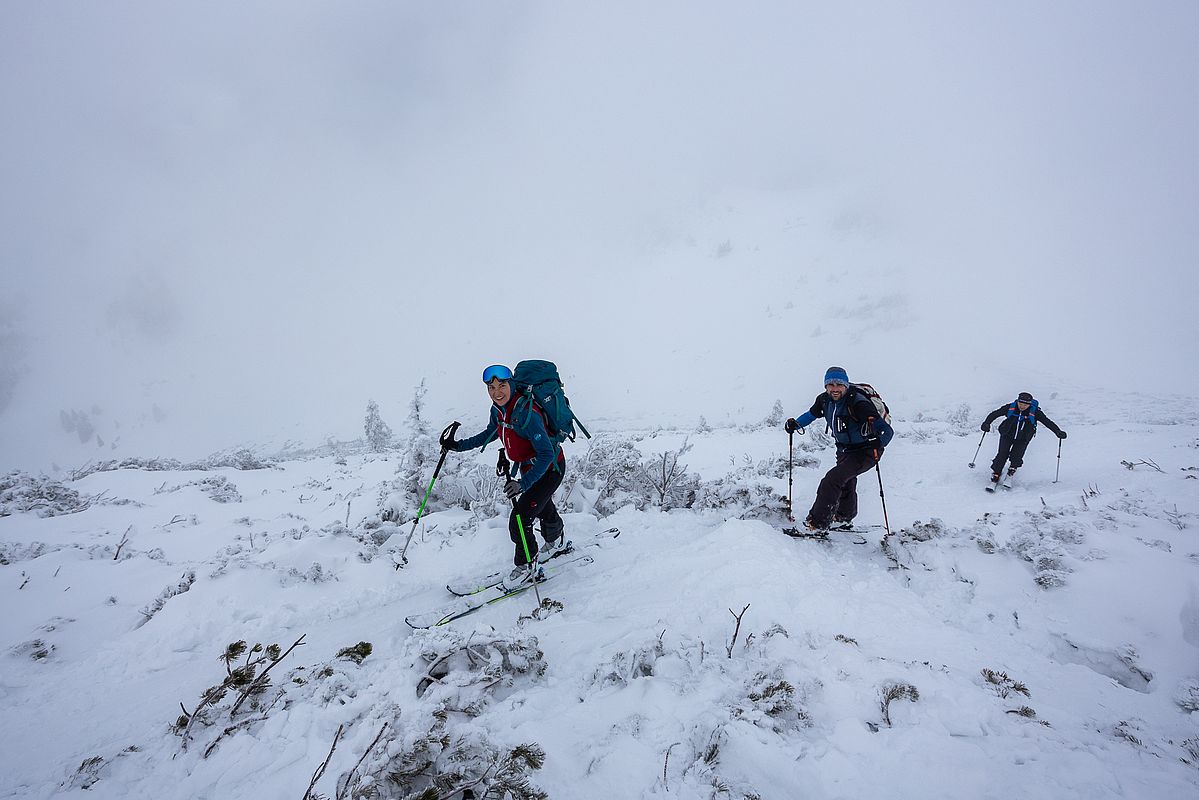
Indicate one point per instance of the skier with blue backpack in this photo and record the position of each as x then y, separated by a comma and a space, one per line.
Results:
531, 417
857, 418
1016, 431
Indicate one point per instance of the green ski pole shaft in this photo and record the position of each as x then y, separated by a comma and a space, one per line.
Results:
437, 470
528, 559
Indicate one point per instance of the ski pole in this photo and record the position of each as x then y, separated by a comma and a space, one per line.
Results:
790, 458
886, 521
976, 452
1059, 461
528, 559
448, 433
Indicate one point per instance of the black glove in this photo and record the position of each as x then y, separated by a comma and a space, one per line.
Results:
1061, 434
985, 428
791, 426
512, 489
447, 440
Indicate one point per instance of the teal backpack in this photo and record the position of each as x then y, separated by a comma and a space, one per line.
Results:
537, 385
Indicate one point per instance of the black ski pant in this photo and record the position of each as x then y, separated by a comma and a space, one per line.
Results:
1011, 448
837, 495
536, 503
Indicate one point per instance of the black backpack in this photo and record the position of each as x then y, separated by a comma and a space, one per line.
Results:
869, 392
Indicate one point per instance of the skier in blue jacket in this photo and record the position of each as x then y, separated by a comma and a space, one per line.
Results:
861, 435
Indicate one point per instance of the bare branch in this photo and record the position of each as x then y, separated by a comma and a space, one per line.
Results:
344, 788
123, 542
321, 769
665, 764
737, 629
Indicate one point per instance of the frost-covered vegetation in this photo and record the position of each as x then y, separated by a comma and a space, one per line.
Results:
699, 654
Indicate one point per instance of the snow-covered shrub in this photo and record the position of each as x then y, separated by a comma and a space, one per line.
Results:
751, 501
91, 770
469, 484
237, 458
1131, 731
1187, 694
903, 547
672, 485
216, 487
219, 488
36, 649
1002, 684
356, 653
314, 574
700, 776
770, 702
629, 665
468, 672
21, 492
429, 760
12, 552
606, 477
890, 692
241, 702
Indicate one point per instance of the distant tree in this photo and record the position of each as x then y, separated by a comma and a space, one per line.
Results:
378, 432
420, 451
776, 416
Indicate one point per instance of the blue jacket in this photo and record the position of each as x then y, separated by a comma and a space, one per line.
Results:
523, 434
852, 431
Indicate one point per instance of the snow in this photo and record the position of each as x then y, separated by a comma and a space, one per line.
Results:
636, 664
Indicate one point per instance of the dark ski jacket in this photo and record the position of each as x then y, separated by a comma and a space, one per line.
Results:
1021, 426
853, 421
523, 436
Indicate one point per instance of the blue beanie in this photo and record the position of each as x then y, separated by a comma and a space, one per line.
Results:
836, 375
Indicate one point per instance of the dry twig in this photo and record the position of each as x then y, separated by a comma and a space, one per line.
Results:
321, 769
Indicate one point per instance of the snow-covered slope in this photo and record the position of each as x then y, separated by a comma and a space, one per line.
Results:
1040, 642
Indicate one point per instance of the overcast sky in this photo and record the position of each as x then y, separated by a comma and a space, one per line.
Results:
255, 216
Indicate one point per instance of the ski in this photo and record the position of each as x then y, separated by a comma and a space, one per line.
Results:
472, 586
855, 535
489, 596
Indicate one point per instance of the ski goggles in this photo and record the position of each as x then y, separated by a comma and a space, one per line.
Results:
497, 371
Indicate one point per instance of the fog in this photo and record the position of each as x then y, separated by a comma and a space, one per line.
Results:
239, 222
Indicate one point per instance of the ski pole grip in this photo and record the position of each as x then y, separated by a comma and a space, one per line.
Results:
448, 434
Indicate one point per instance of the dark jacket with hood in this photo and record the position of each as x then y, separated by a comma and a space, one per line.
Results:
853, 420
1021, 424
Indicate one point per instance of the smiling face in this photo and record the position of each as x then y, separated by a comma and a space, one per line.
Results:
499, 391
1023, 405
835, 390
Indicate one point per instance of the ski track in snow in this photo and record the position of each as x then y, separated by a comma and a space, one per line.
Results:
1086, 592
